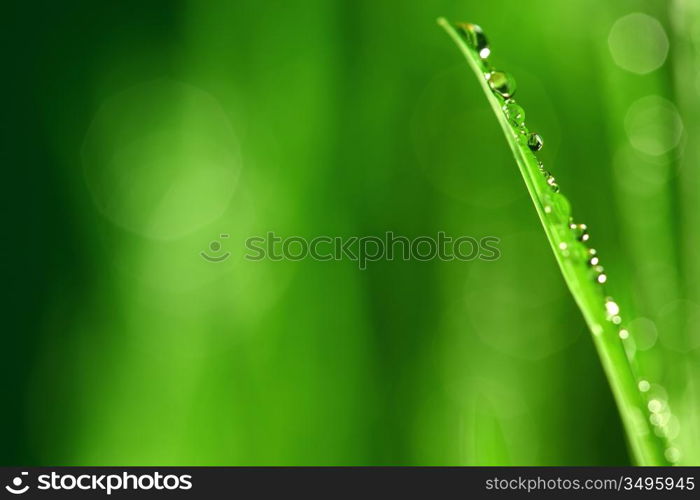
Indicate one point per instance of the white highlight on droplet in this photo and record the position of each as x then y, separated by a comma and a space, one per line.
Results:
612, 308
644, 385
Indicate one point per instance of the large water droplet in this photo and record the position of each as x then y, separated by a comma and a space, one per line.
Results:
502, 83
476, 38
534, 142
514, 113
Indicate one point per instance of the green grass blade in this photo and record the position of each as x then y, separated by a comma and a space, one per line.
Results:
583, 275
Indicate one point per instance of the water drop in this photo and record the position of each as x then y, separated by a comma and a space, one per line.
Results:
580, 231
624, 334
552, 182
601, 277
534, 142
564, 249
611, 307
502, 83
644, 385
522, 134
514, 113
476, 38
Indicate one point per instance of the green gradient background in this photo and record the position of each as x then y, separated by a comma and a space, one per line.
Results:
137, 133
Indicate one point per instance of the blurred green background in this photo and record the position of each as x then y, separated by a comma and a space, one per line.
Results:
138, 132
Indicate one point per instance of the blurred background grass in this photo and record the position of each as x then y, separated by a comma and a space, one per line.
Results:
138, 133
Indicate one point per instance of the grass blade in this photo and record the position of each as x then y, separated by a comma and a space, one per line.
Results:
579, 264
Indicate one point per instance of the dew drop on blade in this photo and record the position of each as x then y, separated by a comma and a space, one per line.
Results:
476, 38
534, 142
522, 134
564, 249
514, 113
502, 83
600, 276
593, 259
611, 307
580, 231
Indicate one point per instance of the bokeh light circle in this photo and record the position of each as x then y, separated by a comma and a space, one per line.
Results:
653, 125
161, 159
638, 43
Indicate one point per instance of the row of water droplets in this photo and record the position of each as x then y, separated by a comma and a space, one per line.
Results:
558, 209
